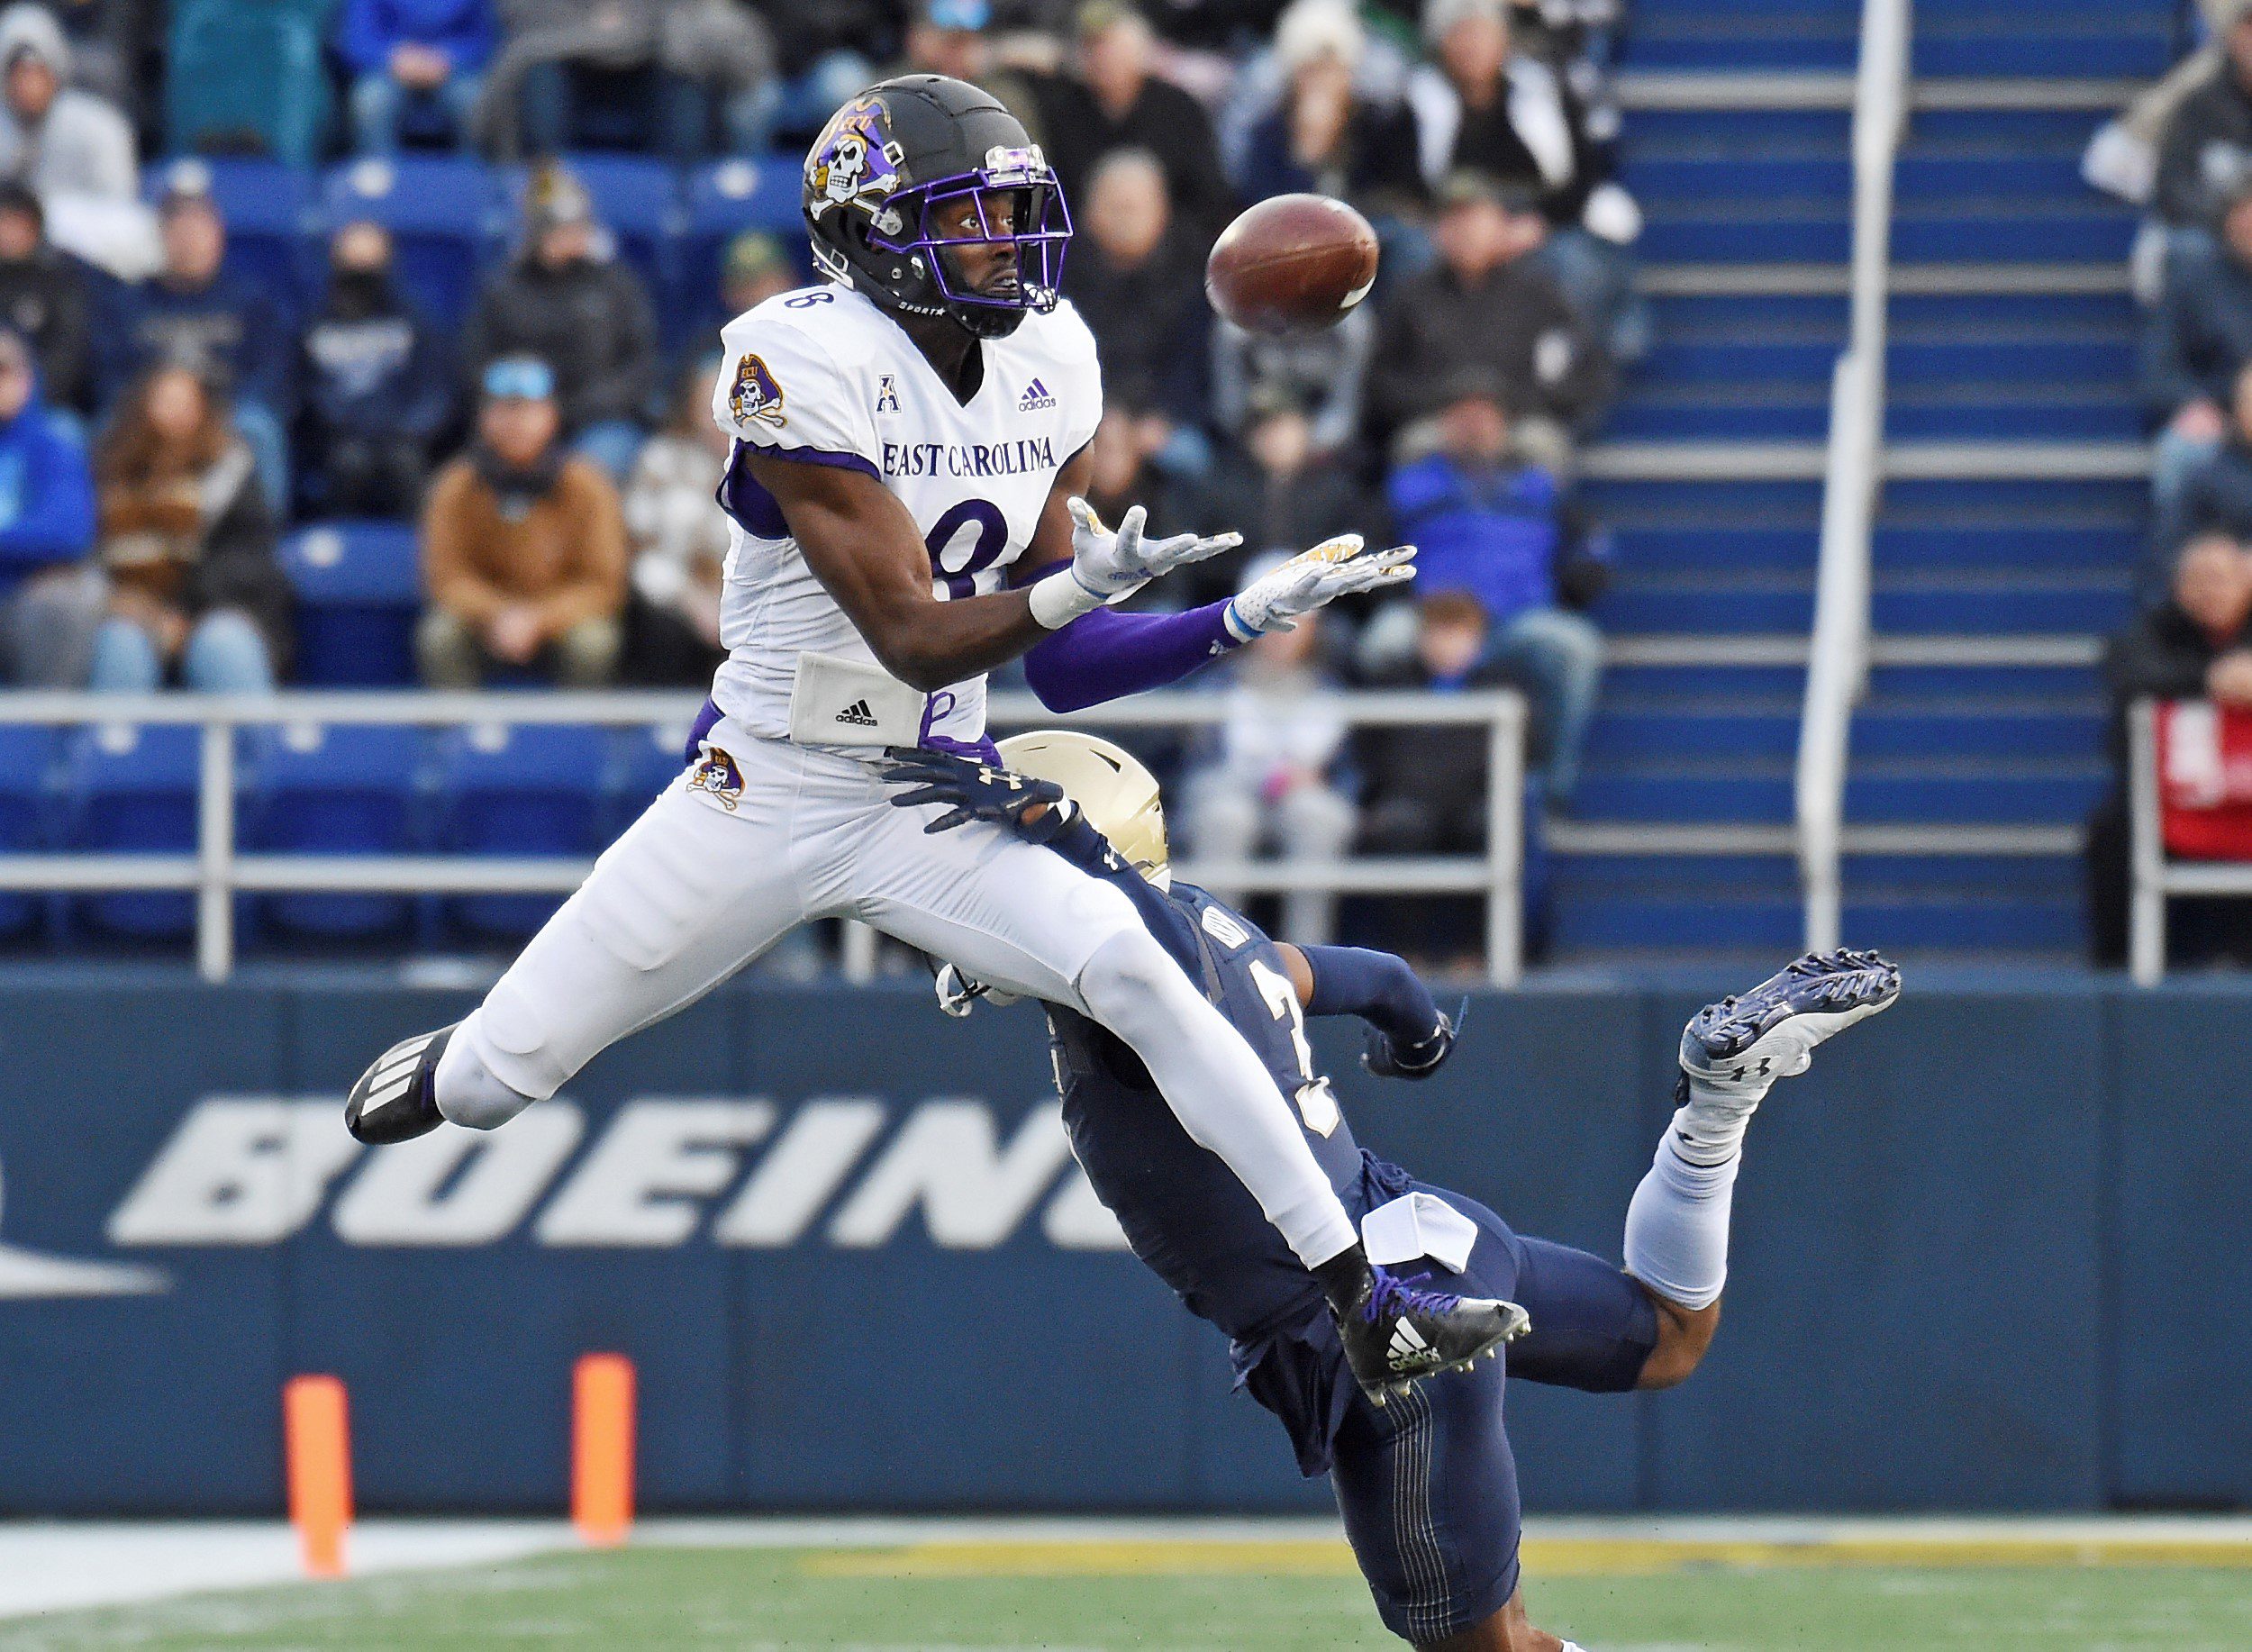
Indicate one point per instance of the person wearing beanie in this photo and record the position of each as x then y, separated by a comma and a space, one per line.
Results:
60, 140
586, 316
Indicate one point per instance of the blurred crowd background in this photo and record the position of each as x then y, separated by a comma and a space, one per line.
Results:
303, 296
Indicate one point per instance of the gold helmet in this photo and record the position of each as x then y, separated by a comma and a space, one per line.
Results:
1119, 794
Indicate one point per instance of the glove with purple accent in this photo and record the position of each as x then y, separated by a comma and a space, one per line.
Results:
1313, 579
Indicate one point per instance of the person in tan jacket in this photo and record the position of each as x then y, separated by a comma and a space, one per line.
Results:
523, 548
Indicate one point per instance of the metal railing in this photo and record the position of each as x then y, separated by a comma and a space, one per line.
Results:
1837, 663
2152, 877
219, 869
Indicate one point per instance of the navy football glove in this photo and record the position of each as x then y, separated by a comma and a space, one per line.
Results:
1387, 1060
976, 792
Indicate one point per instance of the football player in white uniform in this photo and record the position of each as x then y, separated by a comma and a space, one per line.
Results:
909, 450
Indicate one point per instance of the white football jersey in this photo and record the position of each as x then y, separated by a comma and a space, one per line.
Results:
824, 375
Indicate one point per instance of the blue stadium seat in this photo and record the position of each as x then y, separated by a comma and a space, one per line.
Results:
359, 588
27, 762
130, 789
341, 790
725, 199
446, 214
648, 759
246, 77
529, 790
638, 199
273, 223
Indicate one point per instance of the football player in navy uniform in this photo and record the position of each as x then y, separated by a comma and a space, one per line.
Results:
1424, 1476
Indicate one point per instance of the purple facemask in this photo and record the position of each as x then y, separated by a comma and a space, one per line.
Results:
1042, 220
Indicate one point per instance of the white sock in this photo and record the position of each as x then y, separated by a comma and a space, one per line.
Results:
1677, 1222
467, 1092
1221, 1092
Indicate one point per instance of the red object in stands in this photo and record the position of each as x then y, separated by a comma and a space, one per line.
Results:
2205, 780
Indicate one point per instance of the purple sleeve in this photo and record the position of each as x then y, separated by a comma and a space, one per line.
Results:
1107, 655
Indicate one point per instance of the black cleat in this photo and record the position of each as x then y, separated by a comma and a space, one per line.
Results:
1396, 1334
397, 1098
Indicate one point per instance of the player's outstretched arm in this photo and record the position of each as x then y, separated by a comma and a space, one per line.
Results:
1107, 655
864, 549
1409, 1037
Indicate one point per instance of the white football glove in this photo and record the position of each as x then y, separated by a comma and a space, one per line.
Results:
1107, 566
1313, 578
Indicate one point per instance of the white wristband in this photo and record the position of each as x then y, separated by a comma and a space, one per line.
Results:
1060, 598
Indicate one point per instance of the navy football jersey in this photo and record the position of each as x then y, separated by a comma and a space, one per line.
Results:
1184, 1212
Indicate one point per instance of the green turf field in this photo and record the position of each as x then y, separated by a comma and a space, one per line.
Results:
940, 1598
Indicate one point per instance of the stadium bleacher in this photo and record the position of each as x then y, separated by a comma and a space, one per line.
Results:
2008, 535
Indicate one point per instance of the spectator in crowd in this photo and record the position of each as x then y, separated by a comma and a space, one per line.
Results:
1485, 303
2122, 157
2196, 341
187, 541
660, 75
377, 386
2208, 142
678, 542
523, 547
195, 314
416, 67
1138, 281
1114, 100
62, 140
753, 267
1481, 107
1324, 371
2216, 493
50, 598
1424, 785
44, 296
1278, 489
2194, 643
948, 37
1324, 137
827, 50
1274, 780
587, 318
1499, 531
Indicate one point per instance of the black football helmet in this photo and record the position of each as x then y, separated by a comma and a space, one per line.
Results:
906, 147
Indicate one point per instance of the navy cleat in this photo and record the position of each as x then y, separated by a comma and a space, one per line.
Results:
1772, 1030
397, 1098
1395, 1334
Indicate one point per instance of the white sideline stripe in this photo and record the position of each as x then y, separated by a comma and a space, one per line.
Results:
48, 1566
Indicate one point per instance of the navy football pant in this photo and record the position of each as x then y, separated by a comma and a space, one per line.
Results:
1427, 1481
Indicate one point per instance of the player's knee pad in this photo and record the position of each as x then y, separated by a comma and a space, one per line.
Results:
469, 1091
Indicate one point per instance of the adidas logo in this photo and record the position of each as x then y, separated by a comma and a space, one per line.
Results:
858, 715
1034, 398
1407, 1345
395, 1073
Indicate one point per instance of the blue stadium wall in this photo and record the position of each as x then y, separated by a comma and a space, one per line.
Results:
1992, 1255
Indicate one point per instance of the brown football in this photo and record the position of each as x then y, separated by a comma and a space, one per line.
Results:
1292, 264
